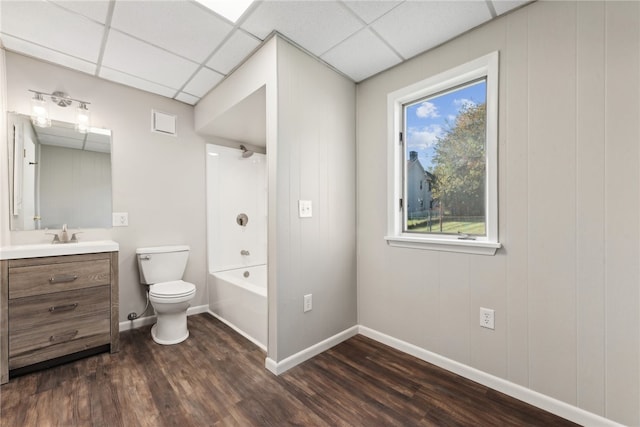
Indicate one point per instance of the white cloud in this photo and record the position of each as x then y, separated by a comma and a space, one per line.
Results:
425, 137
427, 110
463, 103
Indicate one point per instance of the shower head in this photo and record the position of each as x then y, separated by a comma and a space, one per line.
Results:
246, 153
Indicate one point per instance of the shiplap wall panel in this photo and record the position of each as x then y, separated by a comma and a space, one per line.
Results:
621, 211
570, 202
590, 222
552, 212
515, 76
488, 288
454, 306
316, 141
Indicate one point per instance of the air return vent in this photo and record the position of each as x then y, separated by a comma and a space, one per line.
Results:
163, 123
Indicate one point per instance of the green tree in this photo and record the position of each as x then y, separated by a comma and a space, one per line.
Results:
459, 163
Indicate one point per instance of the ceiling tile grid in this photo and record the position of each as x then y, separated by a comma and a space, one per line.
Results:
416, 26
233, 52
362, 55
50, 26
370, 10
93, 9
315, 25
181, 50
180, 27
46, 54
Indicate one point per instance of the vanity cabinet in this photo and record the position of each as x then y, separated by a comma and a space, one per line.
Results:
57, 306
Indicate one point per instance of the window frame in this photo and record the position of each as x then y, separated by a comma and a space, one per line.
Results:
483, 67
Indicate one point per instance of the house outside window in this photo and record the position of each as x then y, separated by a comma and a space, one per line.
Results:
443, 133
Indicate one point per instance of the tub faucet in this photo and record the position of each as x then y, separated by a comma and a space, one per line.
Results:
244, 252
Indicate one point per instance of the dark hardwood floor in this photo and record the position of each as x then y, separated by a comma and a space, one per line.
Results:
217, 377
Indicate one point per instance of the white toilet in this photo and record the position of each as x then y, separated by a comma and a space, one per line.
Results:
162, 268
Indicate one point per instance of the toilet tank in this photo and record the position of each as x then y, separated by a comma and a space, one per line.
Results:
162, 263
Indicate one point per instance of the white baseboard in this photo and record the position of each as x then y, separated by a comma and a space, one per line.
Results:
149, 320
238, 330
549, 404
284, 365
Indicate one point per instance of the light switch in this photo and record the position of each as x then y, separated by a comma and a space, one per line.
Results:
304, 209
120, 219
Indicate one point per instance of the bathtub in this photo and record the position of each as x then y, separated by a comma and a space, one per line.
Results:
238, 298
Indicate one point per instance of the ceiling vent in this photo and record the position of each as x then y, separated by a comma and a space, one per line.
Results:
163, 123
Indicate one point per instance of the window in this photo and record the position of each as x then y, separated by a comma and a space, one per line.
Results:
443, 131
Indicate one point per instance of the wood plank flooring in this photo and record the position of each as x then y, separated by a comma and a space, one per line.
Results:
217, 378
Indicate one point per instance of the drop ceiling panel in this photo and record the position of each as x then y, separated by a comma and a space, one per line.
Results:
370, 10
45, 54
131, 56
362, 55
129, 80
503, 6
93, 9
202, 82
181, 27
187, 99
415, 26
50, 26
157, 46
315, 25
233, 52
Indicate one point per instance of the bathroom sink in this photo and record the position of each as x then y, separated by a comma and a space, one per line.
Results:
48, 249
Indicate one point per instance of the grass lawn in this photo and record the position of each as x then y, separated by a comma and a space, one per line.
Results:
467, 227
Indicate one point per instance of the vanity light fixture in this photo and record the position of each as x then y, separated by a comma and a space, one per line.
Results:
83, 118
40, 109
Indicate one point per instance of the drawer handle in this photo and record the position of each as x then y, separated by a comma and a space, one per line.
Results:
63, 278
59, 308
64, 337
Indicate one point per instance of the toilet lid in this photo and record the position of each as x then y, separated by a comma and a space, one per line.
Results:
177, 288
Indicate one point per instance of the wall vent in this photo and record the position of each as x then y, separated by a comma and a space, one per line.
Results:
163, 123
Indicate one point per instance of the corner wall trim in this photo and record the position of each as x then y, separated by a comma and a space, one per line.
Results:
284, 365
549, 404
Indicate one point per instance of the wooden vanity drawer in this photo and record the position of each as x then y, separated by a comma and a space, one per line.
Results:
63, 276
48, 326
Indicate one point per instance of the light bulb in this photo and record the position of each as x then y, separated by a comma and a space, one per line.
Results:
40, 111
83, 118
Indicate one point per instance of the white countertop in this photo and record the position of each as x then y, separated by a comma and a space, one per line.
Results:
49, 249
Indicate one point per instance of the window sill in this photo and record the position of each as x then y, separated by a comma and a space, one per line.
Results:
474, 247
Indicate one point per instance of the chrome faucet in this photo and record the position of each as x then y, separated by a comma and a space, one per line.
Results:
244, 252
63, 237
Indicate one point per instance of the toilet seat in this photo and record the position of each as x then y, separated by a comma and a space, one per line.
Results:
172, 290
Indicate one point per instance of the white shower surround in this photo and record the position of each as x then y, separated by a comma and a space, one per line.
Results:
237, 185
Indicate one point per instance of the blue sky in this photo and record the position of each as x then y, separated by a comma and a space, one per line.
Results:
427, 120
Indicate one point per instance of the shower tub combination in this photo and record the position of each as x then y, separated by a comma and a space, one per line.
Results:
238, 297
237, 240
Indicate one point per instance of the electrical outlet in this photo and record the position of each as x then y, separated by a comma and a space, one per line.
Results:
308, 303
120, 219
487, 319
304, 209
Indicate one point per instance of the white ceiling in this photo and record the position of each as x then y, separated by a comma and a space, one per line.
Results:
181, 50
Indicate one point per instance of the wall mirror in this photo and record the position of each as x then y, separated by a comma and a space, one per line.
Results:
58, 175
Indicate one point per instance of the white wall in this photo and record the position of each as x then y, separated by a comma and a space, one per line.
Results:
310, 122
316, 159
235, 185
158, 179
565, 286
